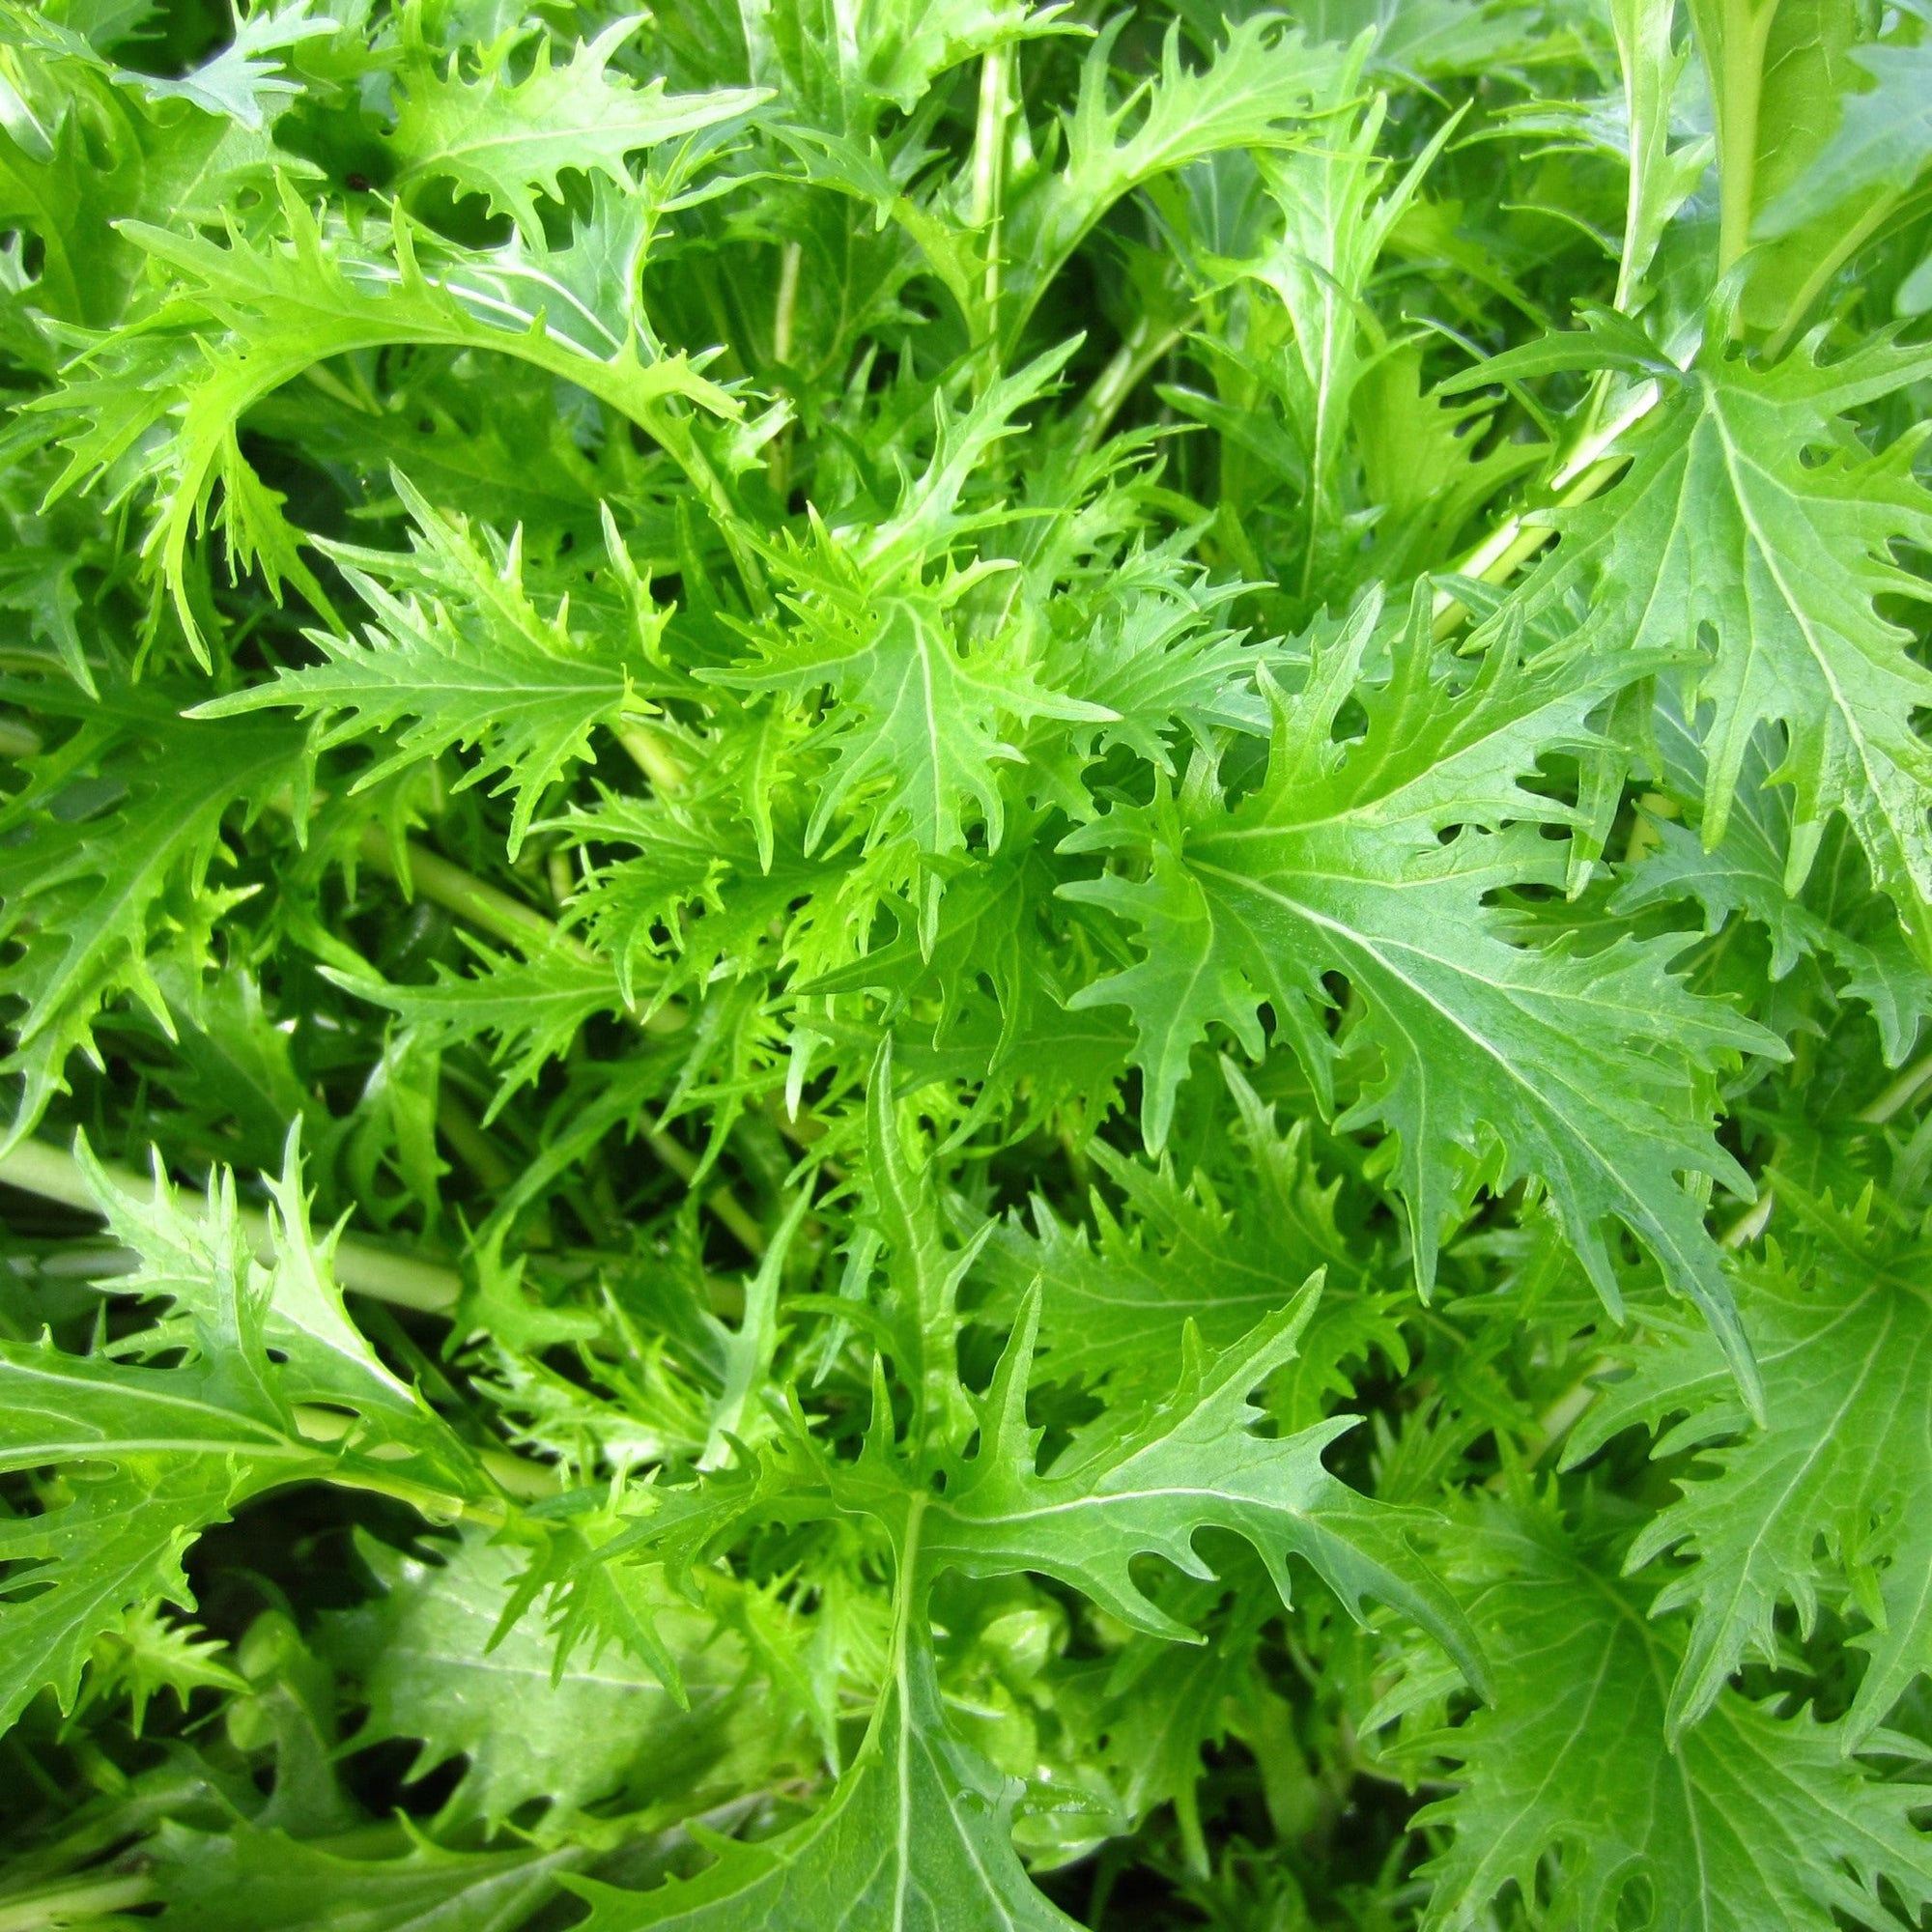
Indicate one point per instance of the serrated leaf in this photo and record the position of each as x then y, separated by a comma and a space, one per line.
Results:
140, 1460
92, 895
1578, 1070
509, 141
1754, 1820
916, 1837
1124, 1489
1752, 512
249, 1880
432, 1670
463, 656
1820, 1498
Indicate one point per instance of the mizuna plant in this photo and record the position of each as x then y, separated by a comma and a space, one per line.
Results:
966, 966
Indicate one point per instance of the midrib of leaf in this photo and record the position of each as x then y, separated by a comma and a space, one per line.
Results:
909, 1593
1719, 801
112, 916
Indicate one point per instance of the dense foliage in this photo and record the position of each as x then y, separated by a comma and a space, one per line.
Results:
1080, 865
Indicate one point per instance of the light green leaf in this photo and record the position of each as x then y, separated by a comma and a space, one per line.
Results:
1823, 1498
244, 81
434, 1668
1128, 1486
249, 1880
916, 1837
464, 657
140, 1460
510, 140
93, 897
1752, 513
1495, 1059
1568, 1781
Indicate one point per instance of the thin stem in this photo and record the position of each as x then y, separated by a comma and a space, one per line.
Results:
74, 1902
651, 755
792, 258
989, 151
721, 1201
676, 433
483, 906
1514, 542
1737, 97
36, 1168
1143, 347
784, 317
1854, 239
1898, 1096
1754, 1221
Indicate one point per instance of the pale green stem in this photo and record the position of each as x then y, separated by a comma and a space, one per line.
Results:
1754, 1221
76, 1902
1144, 345
1738, 93
482, 905
989, 150
1854, 239
792, 258
36, 1168
1899, 1096
1514, 542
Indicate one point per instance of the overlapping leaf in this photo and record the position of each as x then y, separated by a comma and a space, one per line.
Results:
1582, 1071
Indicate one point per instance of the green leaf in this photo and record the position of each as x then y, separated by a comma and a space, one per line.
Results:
1819, 1500
1833, 917
432, 1668
94, 897
1752, 513
1495, 1059
1253, 93
1124, 1489
917, 1836
265, 1881
1220, 1259
921, 716
509, 141
139, 1460
465, 657
1883, 139
256, 316
245, 80
1568, 1781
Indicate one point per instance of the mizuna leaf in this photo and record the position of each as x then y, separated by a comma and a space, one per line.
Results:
1834, 917
1882, 140
464, 658
1568, 1779
917, 1836
244, 81
92, 898
251, 1880
1581, 1071
1820, 1499
139, 1460
509, 141
920, 718
1121, 1491
434, 1669
1252, 93
531, 1009
266, 312
1120, 1303
1752, 514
